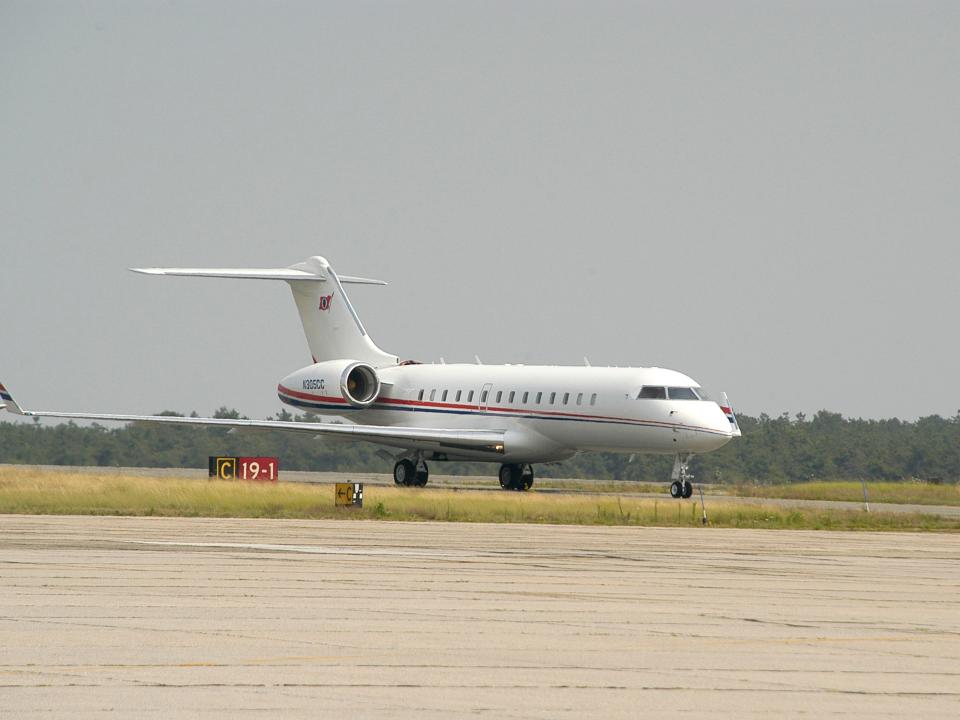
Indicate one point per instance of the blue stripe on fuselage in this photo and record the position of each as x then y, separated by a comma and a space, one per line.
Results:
316, 405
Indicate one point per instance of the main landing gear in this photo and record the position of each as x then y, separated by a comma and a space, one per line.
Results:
516, 477
681, 487
409, 473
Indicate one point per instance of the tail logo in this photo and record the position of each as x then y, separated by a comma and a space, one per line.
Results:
325, 301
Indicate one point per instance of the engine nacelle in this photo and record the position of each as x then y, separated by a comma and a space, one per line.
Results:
324, 386
359, 384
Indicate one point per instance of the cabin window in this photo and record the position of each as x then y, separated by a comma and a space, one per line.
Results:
470, 396
566, 398
483, 396
682, 393
525, 398
499, 395
420, 396
443, 397
593, 399
579, 398
458, 395
433, 395
553, 397
512, 393
539, 397
650, 392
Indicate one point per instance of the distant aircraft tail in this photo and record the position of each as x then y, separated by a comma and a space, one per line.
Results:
7, 401
728, 411
332, 326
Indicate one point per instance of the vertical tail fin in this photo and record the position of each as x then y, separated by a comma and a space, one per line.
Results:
331, 324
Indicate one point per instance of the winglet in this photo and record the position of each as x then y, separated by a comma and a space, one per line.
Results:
9, 403
728, 411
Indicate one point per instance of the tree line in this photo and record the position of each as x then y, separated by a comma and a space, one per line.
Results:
779, 449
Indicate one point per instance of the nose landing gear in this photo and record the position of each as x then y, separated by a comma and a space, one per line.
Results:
516, 477
681, 487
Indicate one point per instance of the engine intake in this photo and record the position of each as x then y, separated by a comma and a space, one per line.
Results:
359, 384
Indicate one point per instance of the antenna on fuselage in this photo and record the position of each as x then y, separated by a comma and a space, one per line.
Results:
586, 362
477, 358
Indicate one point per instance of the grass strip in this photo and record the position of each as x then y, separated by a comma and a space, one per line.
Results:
40, 492
902, 493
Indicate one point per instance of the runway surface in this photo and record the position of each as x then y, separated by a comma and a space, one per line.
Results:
181, 617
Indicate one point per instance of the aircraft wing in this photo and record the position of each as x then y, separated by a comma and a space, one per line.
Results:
407, 438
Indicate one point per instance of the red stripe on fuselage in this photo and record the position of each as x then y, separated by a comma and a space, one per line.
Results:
308, 396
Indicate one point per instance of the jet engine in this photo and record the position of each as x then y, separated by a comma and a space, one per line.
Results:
359, 384
325, 384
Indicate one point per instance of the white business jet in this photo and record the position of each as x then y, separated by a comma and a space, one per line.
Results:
516, 415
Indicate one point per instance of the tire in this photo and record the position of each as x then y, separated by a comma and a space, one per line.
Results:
676, 489
404, 473
687, 488
526, 478
422, 475
506, 477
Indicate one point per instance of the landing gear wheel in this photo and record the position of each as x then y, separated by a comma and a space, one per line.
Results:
516, 477
506, 477
404, 472
526, 477
681, 487
422, 474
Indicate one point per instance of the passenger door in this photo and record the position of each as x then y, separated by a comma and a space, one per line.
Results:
485, 395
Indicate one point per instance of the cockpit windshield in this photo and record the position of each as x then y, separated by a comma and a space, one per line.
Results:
651, 392
656, 392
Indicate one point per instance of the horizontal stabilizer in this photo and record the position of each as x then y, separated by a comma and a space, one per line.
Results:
255, 274
330, 322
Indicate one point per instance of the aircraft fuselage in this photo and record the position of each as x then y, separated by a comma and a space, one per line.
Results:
549, 412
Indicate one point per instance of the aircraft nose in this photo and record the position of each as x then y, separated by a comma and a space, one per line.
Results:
718, 431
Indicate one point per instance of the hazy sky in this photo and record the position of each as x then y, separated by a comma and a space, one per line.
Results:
763, 195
